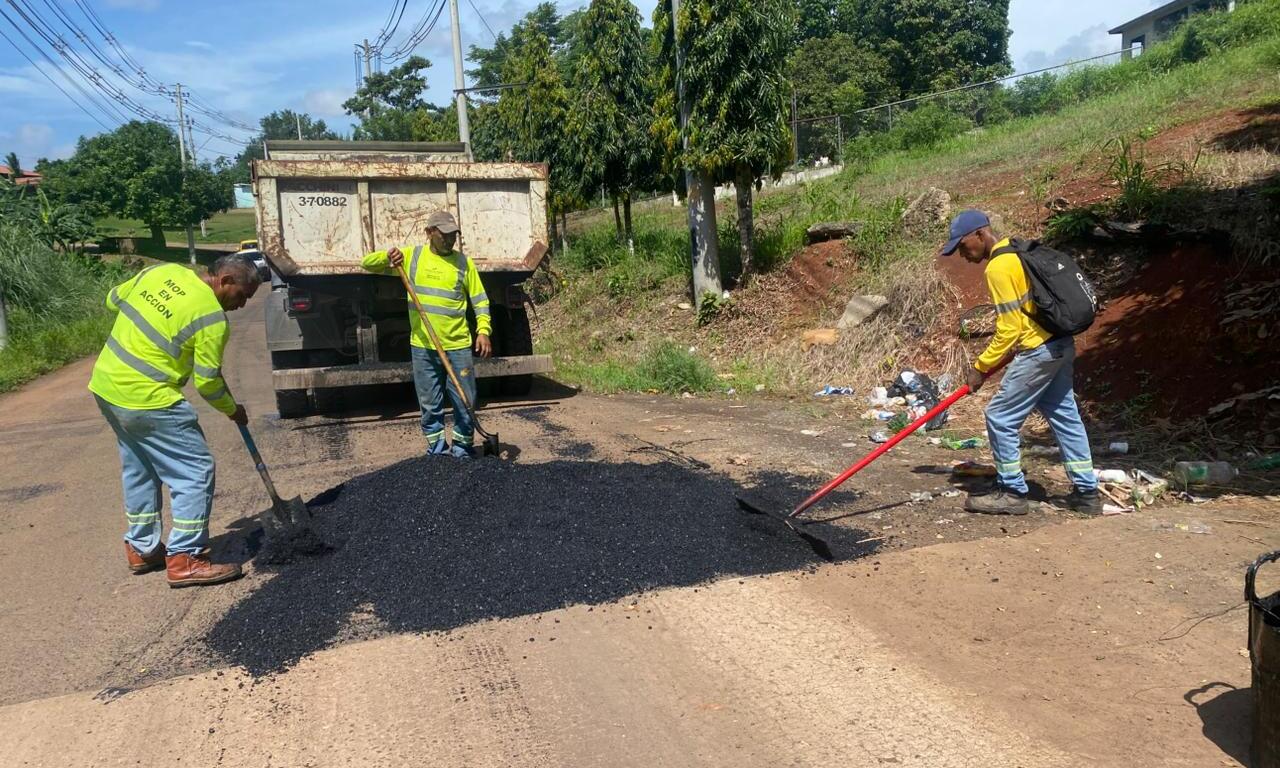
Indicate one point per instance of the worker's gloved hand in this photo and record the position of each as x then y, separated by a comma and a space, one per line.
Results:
484, 347
394, 257
975, 379
240, 416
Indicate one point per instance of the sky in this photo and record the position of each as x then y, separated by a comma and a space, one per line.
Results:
246, 58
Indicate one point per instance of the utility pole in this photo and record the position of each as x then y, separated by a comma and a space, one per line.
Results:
368, 60
700, 191
459, 84
182, 150
795, 129
297, 119
4, 323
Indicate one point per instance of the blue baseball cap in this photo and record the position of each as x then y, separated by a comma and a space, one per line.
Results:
965, 223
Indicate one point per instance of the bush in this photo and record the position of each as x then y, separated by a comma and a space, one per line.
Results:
928, 126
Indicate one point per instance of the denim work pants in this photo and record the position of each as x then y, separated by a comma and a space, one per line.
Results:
431, 381
1039, 379
157, 448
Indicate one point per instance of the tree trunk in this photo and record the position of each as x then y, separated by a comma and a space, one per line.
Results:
564, 231
157, 234
555, 234
626, 208
617, 218
744, 181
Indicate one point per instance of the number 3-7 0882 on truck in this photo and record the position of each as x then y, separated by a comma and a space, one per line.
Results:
322, 205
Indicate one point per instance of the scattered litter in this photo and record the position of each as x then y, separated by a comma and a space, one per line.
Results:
1270, 461
921, 497
687, 395
1118, 448
731, 391
1204, 472
824, 337
831, 391
810, 432
1159, 556
849, 445
1117, 476
935, 441
1194, 526
873, 538
962, 445
684, 305
1185, 496
759, 387
876, 415
973, 469
943, 521
910, 382
949, 494
880, 437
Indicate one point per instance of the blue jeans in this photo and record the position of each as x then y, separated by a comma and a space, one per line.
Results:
1040, 379
431, 381
157, 448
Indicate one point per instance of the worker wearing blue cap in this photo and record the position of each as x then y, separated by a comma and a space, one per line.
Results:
1038, 378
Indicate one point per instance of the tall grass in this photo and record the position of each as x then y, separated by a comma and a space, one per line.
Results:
55, 300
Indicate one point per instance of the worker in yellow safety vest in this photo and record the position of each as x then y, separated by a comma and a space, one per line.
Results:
171, 326
445, 280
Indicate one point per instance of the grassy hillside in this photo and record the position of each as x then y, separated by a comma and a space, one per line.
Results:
618, 315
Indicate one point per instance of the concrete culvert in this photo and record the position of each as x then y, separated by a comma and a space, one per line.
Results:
433, 544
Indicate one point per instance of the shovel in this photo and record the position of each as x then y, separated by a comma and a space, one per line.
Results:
490, 445
790, 519
289, 518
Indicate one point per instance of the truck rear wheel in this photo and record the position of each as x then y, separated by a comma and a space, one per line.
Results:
516, 340
292, 403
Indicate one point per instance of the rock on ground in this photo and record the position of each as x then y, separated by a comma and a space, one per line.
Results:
930, 209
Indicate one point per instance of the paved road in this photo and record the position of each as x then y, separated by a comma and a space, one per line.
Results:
963, 642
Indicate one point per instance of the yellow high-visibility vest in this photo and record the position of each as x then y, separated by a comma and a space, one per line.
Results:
444, 284
169, 326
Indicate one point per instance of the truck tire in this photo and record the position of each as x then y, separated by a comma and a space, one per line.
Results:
292, 403
517, 339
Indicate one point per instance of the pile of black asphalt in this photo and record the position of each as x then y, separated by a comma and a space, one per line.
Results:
433, 544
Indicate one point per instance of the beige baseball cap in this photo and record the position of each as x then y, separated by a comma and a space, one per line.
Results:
443, 221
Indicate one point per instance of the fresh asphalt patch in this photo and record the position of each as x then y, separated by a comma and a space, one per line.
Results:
434, 544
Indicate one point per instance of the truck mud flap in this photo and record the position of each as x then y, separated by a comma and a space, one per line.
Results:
395, 373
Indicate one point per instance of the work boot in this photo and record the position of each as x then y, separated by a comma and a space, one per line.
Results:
141, 564
1088, 502
187, 570
999, 501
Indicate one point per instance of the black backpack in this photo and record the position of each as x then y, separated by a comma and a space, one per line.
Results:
1065, 301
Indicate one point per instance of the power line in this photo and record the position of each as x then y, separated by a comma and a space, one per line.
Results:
54, 83
421, 31
482, 20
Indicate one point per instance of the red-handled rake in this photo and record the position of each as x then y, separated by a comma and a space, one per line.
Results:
791, 521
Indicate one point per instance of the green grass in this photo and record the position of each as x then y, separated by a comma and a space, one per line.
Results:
663, 367
227, 227
36, 348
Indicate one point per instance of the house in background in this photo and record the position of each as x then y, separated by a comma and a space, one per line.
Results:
244, 195
23, 177
1150, 27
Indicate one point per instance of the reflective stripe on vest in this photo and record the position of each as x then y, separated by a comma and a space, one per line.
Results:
137, 363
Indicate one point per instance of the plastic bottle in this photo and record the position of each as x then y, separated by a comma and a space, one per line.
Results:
1204, 472
1113, 476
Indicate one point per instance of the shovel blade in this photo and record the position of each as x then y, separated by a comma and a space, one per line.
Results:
819, 547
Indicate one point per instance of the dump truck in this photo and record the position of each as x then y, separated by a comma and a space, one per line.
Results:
322, 205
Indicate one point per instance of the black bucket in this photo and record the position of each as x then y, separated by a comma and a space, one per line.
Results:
1264, 652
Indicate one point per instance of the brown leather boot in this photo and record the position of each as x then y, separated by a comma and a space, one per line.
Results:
140, 564
186, 570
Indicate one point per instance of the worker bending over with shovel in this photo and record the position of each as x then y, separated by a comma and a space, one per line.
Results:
171, 324
444, 280
1038, 378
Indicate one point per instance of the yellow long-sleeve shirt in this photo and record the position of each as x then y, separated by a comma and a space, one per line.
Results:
169, 328
444, 284
1011, 293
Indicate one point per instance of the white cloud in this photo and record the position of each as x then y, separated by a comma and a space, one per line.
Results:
202, 45
32, 141
1093, 41
325, 102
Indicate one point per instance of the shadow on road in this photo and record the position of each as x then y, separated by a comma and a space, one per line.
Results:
1226, 717
434, 544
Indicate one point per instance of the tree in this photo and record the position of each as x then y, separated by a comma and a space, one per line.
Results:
15, 168
135, 172
281, 124
933, 44
390, 107
607, 124
531, 118
836, 76
735, 57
